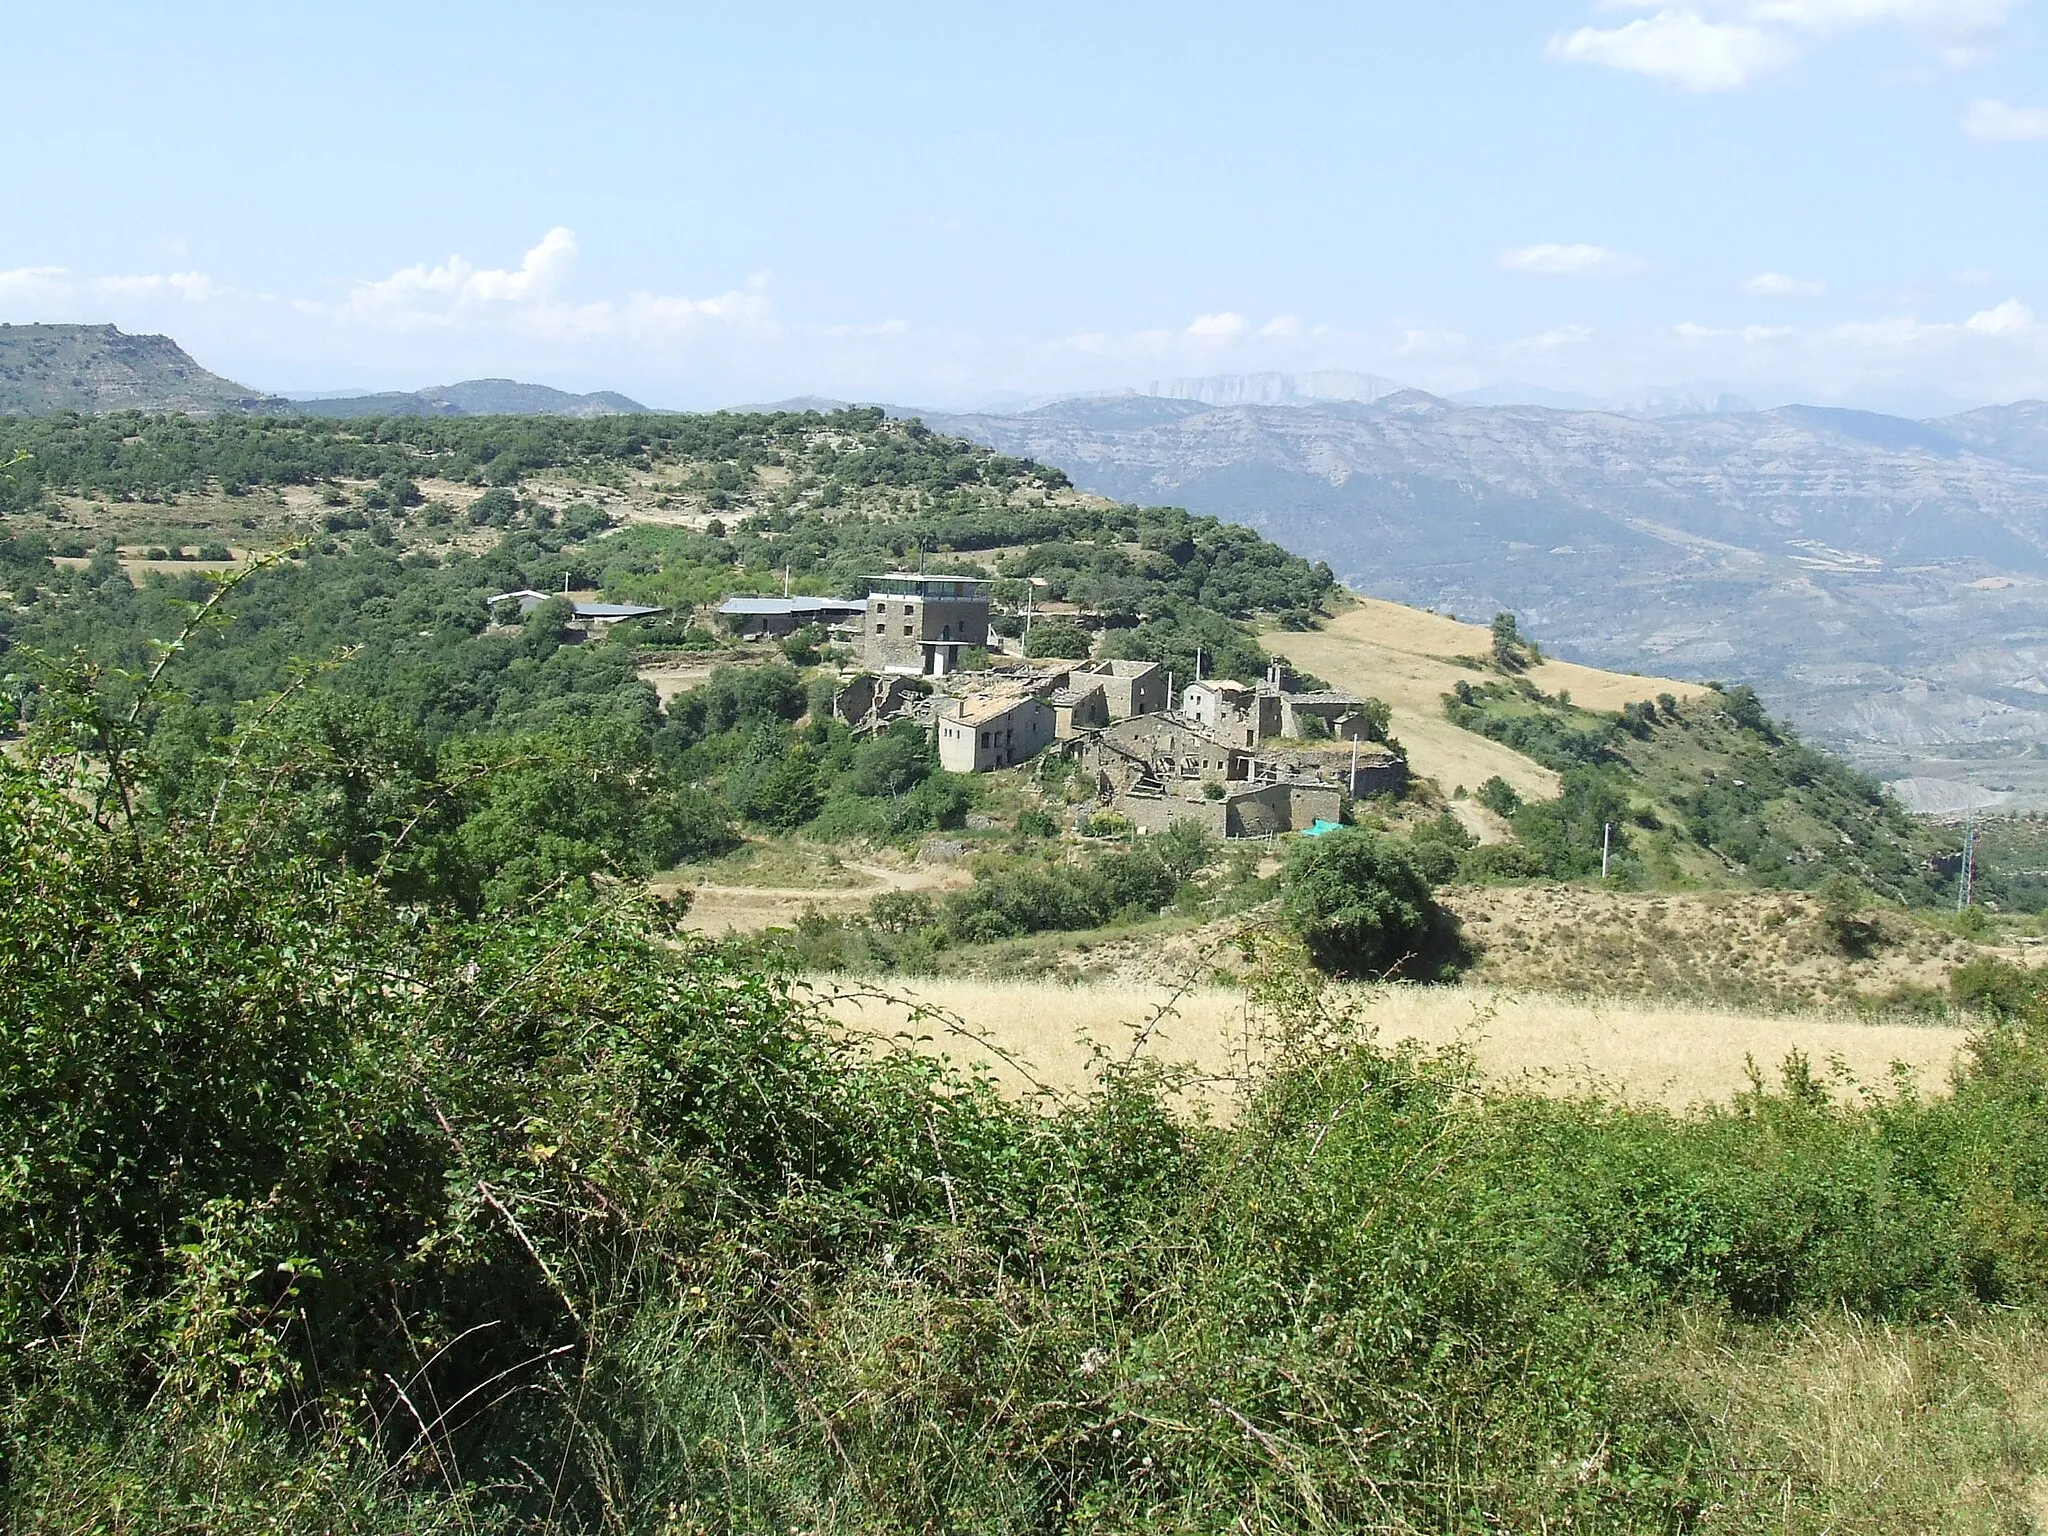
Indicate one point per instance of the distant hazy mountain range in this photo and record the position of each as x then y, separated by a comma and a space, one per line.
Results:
477, 397
1886, 579
96, 368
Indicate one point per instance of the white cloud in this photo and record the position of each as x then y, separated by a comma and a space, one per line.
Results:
1550, 340
1938, 18
1572, 261
458, 295
1722, 45
458, 284
1681, 48
59, 286
884, 328
1996, 123
2005, 319
1219, 327
1281, 328
1430, 344
1776, 285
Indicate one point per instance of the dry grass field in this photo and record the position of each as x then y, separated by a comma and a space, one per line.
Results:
1404, 656
1042, 1034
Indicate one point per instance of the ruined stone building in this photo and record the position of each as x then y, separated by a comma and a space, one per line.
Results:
1000, 729
1159, 769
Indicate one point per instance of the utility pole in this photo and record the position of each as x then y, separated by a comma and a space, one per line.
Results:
1353, 785
785, 582
1606, 844
1967, 879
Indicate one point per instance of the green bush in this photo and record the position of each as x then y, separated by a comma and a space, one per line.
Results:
1058, 638
1499, 796
1361, 908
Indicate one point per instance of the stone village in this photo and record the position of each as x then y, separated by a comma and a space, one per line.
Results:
1244, 760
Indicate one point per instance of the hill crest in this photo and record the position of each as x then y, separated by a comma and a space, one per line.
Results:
94, 369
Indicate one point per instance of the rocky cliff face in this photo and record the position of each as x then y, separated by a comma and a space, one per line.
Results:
96, 368
1885, 580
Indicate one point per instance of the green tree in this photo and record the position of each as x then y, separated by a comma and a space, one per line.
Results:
1499, 796
1565, 835
1362, 909
1058, 638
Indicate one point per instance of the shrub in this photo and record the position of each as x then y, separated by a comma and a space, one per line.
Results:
1361, 908
1436, 845
1841, 916
1036, 824
1058, 638
1992, 986
1499, 797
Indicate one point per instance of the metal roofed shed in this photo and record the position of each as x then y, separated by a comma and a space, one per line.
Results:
773, 617
595, 613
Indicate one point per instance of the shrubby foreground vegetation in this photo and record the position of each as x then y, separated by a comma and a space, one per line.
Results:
331, 1203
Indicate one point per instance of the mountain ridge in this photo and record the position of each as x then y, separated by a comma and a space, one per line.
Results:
473, 397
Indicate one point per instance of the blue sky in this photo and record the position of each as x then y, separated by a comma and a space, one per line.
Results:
949, 204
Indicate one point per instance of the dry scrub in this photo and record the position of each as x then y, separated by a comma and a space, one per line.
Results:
1745, 948
1880, 1428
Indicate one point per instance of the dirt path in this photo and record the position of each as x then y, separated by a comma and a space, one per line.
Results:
719, 909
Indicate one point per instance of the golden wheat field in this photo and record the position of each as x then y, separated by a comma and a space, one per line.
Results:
1044, 1034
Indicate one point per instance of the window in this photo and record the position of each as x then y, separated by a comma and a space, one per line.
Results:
984, 738
906, 629
881, 628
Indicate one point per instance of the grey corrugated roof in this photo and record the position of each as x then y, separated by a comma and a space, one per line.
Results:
790, 605
612, 610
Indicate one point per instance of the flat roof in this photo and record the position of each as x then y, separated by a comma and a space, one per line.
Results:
978, 707
789, 605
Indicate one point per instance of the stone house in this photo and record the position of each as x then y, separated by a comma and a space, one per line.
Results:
992, 730
1159, 769
919, 624
1237, 712
1076, 710
1342, 714
1129, 687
